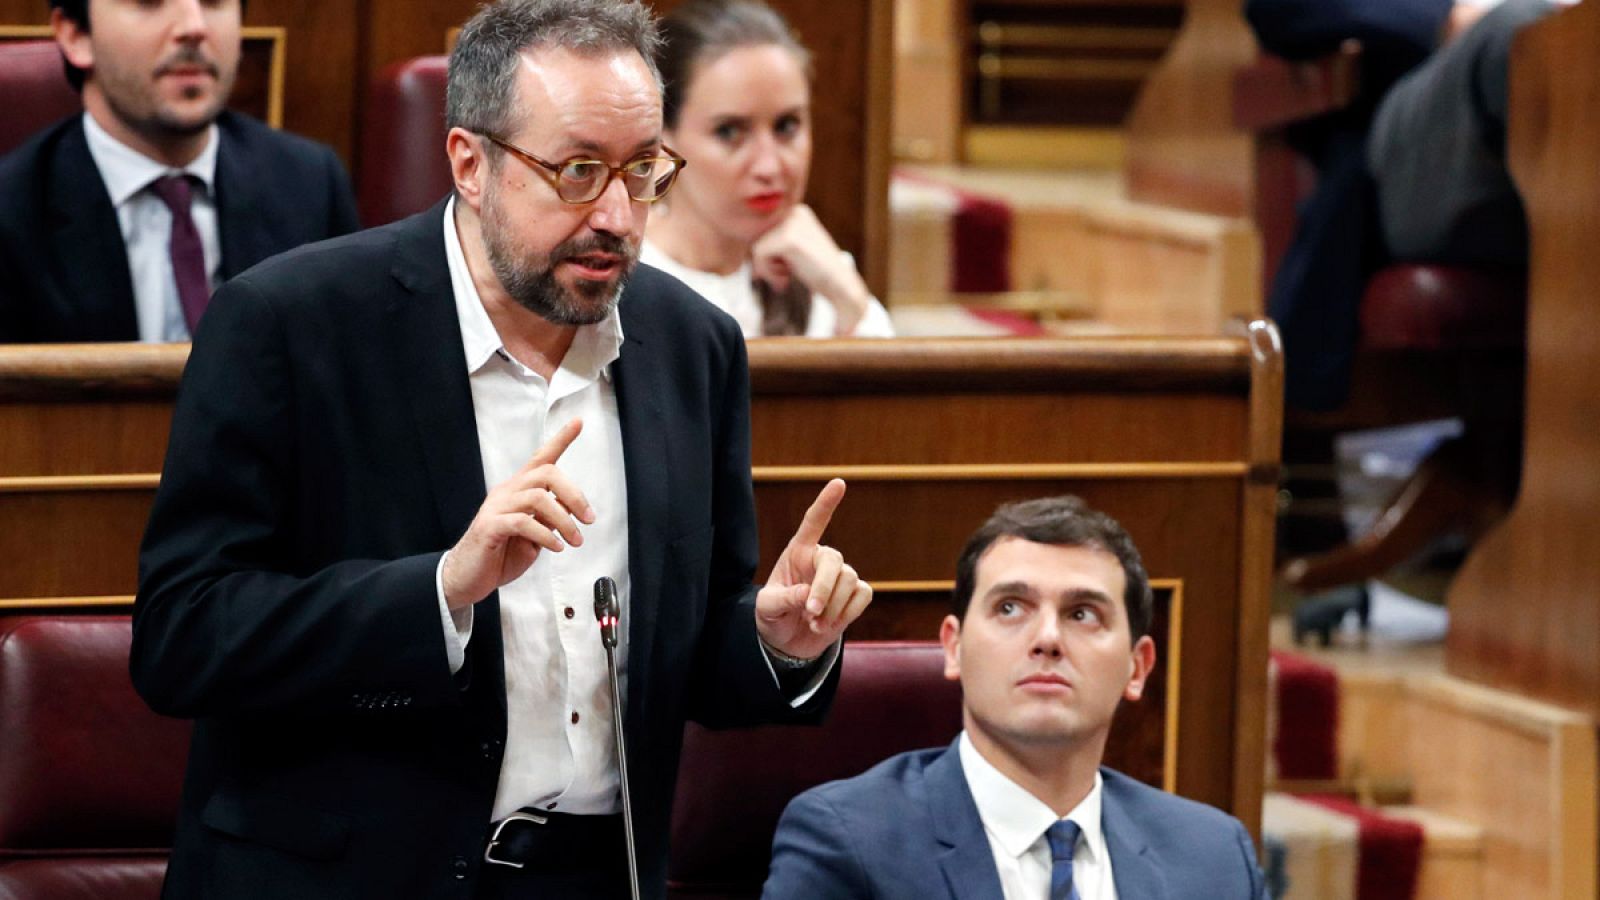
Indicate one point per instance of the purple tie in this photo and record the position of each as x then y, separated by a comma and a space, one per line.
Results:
188, 257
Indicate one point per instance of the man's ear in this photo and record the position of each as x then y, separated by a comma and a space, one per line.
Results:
950, 639
73, 40
1144, 659
469, 167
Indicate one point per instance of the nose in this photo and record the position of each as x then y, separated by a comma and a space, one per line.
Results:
766, 160
1046, 639
190, 19
612, 211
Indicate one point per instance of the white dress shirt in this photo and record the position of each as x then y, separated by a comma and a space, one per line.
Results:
559, 750
1016, 821
735, 294
146, 225
560, 744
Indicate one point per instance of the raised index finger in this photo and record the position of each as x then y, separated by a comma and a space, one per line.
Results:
820, 514
557, 445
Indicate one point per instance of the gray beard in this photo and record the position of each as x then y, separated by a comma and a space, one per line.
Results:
538, 291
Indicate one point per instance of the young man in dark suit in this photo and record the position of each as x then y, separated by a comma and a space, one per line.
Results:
117, 224
1052, 606
399, 463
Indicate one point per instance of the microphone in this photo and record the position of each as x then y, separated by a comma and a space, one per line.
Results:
607, 612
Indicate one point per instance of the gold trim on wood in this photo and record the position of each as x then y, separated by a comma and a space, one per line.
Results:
39, 484
278, 36
48, 603
908, 587
1001, 471
1169, 734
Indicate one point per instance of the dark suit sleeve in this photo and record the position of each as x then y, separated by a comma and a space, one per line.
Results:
732, 683
1300, 29
342, 216
813, 856
228, 619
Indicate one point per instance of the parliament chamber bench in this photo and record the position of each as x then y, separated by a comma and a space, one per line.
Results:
1176, 437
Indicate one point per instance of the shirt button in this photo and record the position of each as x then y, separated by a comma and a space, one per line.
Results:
551, 805
568, 612
574, 717
459, 867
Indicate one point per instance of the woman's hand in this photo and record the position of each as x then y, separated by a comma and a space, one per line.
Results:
799, 247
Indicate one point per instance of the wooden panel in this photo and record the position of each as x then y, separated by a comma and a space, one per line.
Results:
1183, 146
1174, 437
1525, 609
1524, 771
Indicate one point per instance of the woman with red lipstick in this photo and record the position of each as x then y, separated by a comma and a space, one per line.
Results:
738, 107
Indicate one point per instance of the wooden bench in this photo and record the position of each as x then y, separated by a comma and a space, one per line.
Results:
1175, 437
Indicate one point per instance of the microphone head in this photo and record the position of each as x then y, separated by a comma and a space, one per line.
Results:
606, 610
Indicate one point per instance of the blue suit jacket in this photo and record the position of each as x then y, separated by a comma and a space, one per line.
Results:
908, 828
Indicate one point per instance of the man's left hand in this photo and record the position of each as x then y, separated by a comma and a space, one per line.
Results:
812, 593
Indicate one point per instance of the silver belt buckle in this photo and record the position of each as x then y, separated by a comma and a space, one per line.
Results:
519, 816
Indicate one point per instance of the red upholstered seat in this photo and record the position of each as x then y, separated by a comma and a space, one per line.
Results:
733, 785
403, 168
89, 776
1432, 307
36, 90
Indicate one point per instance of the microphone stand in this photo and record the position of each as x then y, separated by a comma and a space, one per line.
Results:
607, 611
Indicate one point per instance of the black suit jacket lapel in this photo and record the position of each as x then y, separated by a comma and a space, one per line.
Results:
965, 856
428, 362
87, 243
646, 456
241, 224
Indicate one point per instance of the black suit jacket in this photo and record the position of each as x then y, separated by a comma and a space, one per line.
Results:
323, 455
63, 266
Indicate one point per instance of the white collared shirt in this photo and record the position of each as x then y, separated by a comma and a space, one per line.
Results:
560, 744
1016, 821
735, 294
555, 665
146, 226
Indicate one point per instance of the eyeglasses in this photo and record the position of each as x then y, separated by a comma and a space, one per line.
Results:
583, 180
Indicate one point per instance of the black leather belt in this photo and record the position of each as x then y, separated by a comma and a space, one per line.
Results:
556, 842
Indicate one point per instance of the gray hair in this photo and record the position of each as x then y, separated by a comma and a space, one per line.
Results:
481, 92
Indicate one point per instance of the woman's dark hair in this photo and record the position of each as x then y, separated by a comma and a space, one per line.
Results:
700, 31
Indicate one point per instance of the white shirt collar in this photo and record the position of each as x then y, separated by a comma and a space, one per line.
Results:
593, 349
1016, 819
126, 171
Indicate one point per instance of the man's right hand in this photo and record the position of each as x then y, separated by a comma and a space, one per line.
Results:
536, 509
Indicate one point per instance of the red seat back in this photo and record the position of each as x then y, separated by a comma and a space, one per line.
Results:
733, 785
403, 168
89, 776
35, 89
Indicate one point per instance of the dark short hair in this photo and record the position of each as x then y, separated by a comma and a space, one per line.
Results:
701, 30
481, 92
1064, 521
77, 12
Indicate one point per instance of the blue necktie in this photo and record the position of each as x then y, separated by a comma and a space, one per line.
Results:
1063, 839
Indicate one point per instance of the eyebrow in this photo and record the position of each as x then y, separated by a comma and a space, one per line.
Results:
1026, 589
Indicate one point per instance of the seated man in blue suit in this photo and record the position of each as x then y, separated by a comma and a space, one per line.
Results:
117, 224
1052, 606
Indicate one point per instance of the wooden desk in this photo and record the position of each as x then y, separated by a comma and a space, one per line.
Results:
1176, 437
1525, 609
